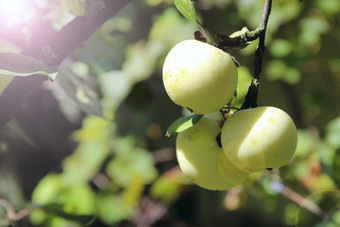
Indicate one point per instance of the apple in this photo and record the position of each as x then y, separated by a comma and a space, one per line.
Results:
229, 172
259, 138
198, 155
199, 76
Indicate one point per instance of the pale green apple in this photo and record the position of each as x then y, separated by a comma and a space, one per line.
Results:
198, 153
229, 172
199, 76
259, 138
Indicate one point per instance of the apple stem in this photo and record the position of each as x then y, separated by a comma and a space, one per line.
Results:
218, 140
204, 32
251, 97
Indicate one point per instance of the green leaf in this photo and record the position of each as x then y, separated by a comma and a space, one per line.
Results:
79, 91
131, 162
58, 210
21, 65
166, 189
333, 133
186, 8
336, 167
183, 123
111, 209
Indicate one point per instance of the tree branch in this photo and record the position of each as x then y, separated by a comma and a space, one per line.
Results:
261, 47
251, 97
304, 202
11, 214
53, 51
77, 31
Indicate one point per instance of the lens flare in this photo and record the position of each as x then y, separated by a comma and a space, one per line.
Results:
15, 14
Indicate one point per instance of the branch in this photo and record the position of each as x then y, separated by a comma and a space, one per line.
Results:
302, 201
251, 97
11, 214
76, 32
53, 51
226, 42
260, 47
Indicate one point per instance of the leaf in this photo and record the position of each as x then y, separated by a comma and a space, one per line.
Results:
183, 123
131, 162
22, 65
333, 133
111, 209
186, 8
336, 168
4, 81
58, 210
167, 187
77, 89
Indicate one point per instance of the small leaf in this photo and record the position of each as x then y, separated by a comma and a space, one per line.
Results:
111, 209
333, 133
183, 123
58, 210
79, 91
336, 168
186, 8
130, 163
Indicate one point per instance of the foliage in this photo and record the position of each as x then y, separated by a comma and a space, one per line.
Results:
90, 148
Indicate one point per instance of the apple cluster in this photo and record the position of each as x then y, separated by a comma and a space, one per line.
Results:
221, 150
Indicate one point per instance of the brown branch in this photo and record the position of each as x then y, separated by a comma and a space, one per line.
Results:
11, 214
81, 28
261, 47
302, 201
151, 211
251, 97
75, 33
55, 50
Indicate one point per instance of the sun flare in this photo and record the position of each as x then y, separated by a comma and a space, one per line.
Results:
15, 13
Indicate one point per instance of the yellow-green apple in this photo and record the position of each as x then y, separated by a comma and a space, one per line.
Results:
199, 76
198, 155
259, 138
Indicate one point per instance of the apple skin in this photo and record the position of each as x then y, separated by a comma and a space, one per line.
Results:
259, 138
198, 153
199, 76
229, 172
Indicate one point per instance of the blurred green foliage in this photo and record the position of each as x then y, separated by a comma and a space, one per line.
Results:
122, 170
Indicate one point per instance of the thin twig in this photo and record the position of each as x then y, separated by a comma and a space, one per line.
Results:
11, 215
151, 212
302, 201
204, 32
251, 97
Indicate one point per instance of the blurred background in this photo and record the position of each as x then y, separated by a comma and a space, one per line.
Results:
90, 149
